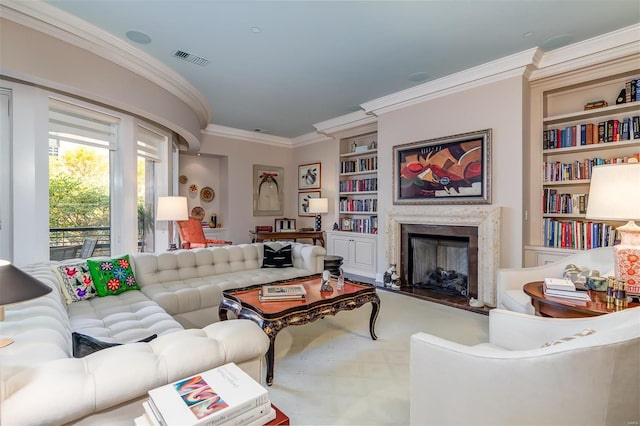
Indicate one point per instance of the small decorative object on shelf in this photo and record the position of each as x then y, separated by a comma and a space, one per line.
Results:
595, 104
621, 99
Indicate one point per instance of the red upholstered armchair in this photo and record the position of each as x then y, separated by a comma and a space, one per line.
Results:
192, 235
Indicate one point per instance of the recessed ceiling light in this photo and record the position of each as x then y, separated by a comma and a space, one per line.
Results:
419, 76
138, 37
556, 42
528, 34
256, 30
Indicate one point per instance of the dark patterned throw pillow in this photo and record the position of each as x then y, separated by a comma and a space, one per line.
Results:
277, 258
84, 345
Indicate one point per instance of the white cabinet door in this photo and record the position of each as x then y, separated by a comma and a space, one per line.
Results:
364, 254
358, 251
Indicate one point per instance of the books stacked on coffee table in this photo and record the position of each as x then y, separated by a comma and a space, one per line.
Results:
563, 287
282, 292
223, 396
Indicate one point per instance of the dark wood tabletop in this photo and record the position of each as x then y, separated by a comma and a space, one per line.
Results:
560, 307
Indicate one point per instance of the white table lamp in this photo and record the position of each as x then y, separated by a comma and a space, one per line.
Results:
614, 195
172, 209
318, 206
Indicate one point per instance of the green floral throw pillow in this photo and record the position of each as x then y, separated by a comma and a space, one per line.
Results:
112, 276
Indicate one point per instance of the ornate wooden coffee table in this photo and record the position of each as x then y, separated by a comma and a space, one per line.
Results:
276, 315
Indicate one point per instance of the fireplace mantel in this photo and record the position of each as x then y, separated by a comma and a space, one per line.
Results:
486, 218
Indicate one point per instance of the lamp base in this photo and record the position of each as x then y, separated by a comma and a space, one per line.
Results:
172, 247
627, 256
318, 223
5, 342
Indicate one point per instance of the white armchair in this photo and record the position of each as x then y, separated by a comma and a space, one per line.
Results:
510, 281
514, 380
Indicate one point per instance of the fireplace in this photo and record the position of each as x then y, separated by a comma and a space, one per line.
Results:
439, 262
478, 226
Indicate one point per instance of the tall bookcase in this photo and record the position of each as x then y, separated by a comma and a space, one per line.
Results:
356, 239
566, 141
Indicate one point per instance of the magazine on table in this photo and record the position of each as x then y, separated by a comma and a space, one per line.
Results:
283, 292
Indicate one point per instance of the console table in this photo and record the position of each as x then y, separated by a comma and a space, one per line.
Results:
290, 235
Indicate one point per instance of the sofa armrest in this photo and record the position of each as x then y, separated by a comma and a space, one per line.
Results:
68, 389
517, 331
454, 384
311, 257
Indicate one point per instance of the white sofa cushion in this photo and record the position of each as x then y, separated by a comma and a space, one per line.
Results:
123, 318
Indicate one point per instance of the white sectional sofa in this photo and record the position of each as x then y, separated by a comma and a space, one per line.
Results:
42, 383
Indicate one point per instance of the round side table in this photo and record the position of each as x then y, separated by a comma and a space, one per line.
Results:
333, 264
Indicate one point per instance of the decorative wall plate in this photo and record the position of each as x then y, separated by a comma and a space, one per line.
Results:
207, 194
183, 179
193, 188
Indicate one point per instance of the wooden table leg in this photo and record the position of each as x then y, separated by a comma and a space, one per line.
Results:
270, 357
375, 308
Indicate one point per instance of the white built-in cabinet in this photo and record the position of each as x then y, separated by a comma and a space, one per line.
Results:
359, 251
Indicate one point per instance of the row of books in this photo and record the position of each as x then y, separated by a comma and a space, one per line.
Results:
353, 205
557, 171
282, 292
223, 396
592, 133
577, 234
361, 165
554, 202
359, 185
565, 288
363, 226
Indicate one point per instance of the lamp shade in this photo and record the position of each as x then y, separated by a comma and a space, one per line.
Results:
172, 208
318, 205
18, 286
614, 193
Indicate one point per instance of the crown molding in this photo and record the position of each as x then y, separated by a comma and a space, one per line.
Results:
246, 135
345, 122
309, 139
500, 69
609, 47
47, 19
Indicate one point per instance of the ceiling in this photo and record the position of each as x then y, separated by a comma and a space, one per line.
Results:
278, 67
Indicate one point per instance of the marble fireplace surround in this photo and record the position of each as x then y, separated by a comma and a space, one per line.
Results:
485, 218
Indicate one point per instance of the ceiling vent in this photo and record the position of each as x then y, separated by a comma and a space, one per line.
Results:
181, 54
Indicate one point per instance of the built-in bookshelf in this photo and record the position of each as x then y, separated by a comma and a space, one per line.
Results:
570, 141
358, 184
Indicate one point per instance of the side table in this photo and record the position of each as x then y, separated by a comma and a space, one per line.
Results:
333, 263
559, 307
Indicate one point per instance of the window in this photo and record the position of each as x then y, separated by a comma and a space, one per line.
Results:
81, 143
150, 146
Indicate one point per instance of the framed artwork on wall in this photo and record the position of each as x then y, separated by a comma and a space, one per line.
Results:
268, 190
303, 202
450, 170
309, 176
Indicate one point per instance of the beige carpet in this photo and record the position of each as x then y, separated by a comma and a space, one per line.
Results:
331, 372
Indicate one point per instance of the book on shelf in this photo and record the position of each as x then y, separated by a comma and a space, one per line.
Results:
282, 292
559, 284
213, 398
575, 294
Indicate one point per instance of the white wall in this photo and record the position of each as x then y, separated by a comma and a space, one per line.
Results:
203, 170
497, 106
238, 188
326, 153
